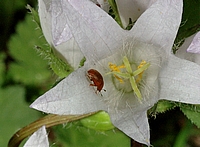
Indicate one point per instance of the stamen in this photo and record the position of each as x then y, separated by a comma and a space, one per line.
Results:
129, 74
116, 68
143, 66
118, 78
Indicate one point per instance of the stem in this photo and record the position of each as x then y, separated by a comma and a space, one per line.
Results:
183, 135
49, 121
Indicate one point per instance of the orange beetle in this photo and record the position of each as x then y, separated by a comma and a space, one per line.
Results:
96, 78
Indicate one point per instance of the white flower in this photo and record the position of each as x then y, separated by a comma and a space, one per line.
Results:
102, 4
38, 139
137, 66
69, 50
132, 9
195, 44
190, 49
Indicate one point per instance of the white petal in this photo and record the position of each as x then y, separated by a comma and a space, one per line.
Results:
38, 139
45, 19
129, 115
103, 4
131, 9
180, 81
195, 45
133, 124
95, 32
184, 54
69, 50
71, 96
159, 23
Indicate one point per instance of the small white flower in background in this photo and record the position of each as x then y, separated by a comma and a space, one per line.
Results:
131, 70
38, 139
132, 9
190, 49
195, 45
102, 4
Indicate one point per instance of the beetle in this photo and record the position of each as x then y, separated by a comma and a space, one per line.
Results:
96, 78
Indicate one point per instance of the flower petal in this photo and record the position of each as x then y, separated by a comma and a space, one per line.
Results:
39, 139
71, 96
133, 124
95, 32
45, 19
180, 81
129, 115
159, 23
103, 4
69, 50
131, 9
184, 54
195, 45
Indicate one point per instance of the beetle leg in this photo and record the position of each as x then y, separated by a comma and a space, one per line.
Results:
92, 84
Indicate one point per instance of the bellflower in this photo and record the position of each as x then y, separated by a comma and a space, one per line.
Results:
190, 49
102, 4
39, 139
132, 9
69, 50
195, 45
126, 72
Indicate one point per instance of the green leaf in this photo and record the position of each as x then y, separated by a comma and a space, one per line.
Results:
162, 106
29, 67
190, 19
115, 13
73, 135
191, 107
15, 112
2, 68
192, 114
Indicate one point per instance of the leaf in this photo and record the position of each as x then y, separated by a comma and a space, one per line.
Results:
15, 113
191, 107
190, 20
162, 106
29, 67
2, 68
73, 135
191, 114
114, 12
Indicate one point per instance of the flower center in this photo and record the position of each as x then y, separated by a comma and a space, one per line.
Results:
124, 73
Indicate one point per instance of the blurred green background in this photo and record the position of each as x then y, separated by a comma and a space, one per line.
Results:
24, 75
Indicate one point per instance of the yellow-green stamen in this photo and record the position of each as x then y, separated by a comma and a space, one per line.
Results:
129, 74
115, 68
141, 68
